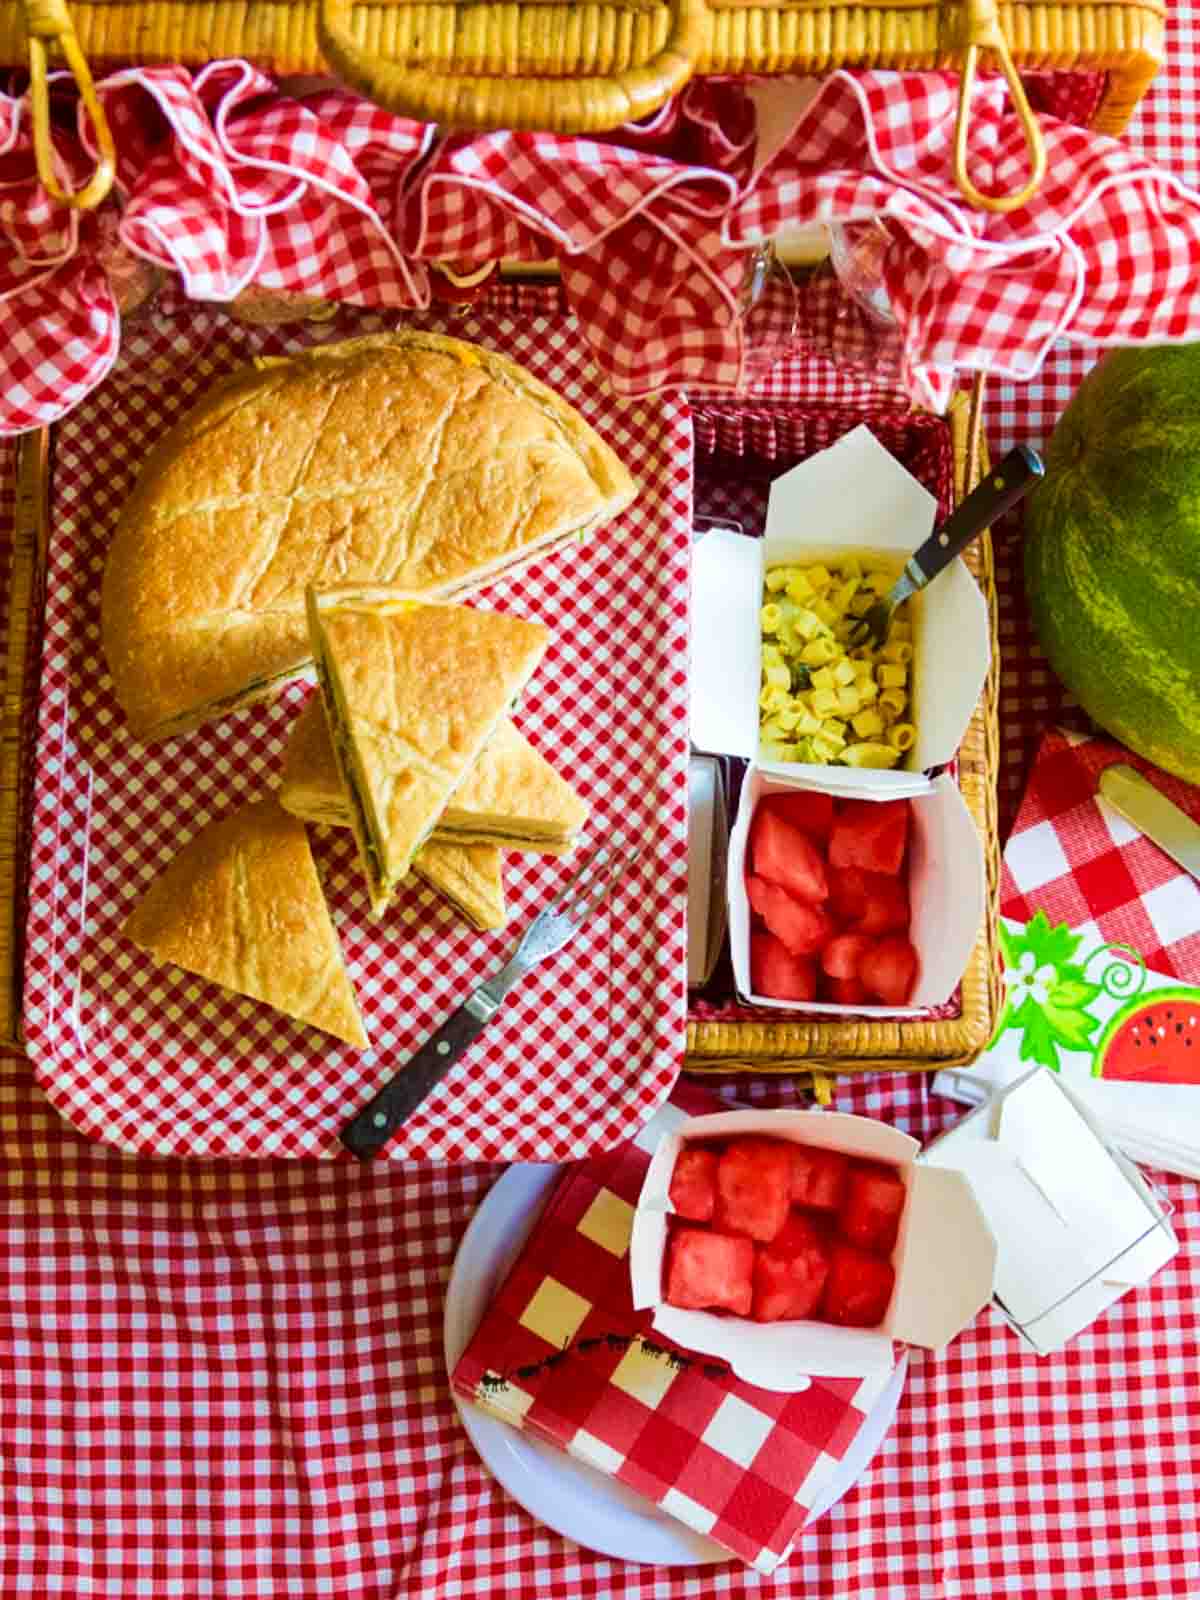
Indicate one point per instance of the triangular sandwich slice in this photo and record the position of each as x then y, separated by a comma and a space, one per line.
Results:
469, 876
512, 797
241, 905
413, 692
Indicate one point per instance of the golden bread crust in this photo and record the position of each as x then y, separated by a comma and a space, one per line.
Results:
408, 458
469, 877
512, 792
413, 691
241, 905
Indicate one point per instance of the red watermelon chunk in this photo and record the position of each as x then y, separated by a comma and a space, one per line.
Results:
841, 956
784, 855
801, 927
847, 992
889, 970
709, 1271
790, 1272
885, 904
848, 894
870, 834
818, 1177
776, 972
811, 813
858, 1288
754, 1187
693, 1188
874, 1200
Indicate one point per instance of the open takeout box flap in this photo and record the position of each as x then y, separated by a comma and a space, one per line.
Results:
946, 885
948, 1260
854, 497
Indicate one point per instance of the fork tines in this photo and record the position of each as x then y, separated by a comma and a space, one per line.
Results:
597, 875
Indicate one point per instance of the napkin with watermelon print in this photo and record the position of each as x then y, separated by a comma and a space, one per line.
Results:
562, 1355
1100, 940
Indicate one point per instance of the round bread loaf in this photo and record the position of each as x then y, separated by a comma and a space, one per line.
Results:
404, 458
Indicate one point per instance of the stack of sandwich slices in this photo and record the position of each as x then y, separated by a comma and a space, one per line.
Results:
328, 510
409, 744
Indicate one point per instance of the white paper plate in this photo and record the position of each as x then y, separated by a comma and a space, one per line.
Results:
567, 1495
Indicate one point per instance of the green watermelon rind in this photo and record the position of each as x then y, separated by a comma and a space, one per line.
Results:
1112, 552
1143, 1002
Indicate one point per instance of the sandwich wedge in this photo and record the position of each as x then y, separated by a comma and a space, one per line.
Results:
402, 458
241, 905
469, 877
413, 692
512, 797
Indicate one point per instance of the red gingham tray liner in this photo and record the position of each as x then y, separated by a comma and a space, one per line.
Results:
741, 1464
224, 1380
154, 1061
229, 182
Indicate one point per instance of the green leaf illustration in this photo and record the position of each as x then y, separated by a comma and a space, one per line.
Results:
1037, 1037
1053, 947
1073, 992
1072, 1029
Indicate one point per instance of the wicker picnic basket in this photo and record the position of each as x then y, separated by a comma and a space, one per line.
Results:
566, 66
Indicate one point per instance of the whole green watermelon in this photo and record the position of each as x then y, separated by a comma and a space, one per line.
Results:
1112, 552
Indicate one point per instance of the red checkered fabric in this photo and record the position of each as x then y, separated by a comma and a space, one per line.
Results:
230, 183
159, 1063
1075, 860
740, 1464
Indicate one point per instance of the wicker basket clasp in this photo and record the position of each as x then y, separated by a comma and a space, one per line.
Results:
49, 22
985, 33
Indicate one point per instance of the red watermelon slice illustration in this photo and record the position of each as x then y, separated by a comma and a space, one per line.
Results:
1154, 1039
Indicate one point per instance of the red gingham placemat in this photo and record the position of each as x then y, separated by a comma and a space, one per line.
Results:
562, 1353
157, 1062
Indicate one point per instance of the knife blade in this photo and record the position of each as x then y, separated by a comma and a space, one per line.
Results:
1150, 812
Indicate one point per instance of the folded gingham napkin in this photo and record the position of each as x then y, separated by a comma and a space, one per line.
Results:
1100, 937
562, 1354
233, 184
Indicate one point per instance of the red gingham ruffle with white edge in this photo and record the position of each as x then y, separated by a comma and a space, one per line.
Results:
230, 183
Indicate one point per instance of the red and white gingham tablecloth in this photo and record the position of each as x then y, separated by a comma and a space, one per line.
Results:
226, 1381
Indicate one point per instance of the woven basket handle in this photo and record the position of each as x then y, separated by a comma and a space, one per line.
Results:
48, 22
985, 33
552, 105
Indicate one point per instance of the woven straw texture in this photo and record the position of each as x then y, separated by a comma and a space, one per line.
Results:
558, 63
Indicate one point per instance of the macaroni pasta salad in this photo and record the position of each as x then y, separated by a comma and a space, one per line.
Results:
822, 700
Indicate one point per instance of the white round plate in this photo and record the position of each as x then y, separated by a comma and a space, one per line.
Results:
567, 1495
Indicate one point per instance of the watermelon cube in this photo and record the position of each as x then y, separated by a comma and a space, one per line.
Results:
776, 972
841, 956
858, 1289
811, 813
784, 855
754, 1187
871, 1208
693, 1189
847, 992
848, 894
790, 1272
885, 904
870, 834
889, 970
802, 927
818, 1177
709, 1272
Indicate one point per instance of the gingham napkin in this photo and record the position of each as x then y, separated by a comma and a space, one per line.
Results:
562, 1354
232, 183
1100, 929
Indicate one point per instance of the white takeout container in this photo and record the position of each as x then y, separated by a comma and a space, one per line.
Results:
946, 887
1077, 1224
854, 498
944, 1258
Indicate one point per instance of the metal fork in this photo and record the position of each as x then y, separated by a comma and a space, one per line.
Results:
1003, 487
368, 1132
